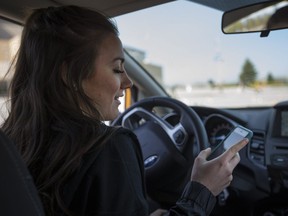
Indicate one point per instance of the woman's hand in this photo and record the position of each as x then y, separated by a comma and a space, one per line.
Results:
216, 174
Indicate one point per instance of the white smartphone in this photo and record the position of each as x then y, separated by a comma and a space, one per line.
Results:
237, 134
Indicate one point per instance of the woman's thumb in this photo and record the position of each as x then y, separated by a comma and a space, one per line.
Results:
205, 153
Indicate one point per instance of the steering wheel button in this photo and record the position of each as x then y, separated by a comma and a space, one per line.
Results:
179, 137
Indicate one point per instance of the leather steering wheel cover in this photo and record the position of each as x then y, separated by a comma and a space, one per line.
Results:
198, 126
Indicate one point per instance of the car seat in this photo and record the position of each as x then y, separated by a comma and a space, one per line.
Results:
18, 194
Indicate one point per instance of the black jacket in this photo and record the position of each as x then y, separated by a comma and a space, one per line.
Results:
111, 182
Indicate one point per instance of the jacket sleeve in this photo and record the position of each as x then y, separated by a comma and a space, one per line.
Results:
196, 199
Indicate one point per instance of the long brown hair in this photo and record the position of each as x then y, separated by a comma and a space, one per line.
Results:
51, 120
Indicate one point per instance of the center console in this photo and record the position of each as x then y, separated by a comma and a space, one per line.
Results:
277, 147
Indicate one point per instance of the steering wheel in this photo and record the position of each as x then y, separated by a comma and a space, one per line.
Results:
169, 142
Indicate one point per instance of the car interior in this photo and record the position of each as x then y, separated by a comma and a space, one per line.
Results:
171, 129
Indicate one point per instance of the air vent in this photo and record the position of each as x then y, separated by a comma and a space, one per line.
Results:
257, 148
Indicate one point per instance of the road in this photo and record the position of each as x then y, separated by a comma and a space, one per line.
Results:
232, 97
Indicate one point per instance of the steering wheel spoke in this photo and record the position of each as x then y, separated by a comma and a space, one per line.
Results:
138, 115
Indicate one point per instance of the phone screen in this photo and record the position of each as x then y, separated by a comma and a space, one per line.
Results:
234, 137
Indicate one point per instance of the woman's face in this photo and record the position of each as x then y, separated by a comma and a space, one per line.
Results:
109, 80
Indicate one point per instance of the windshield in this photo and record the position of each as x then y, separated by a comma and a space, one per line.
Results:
181, 44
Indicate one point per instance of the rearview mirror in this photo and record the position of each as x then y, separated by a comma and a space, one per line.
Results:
261, 17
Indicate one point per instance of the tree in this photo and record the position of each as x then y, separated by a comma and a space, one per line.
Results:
270, 78
248, 74
211, 83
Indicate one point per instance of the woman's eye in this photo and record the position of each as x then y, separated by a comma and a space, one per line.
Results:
118, 71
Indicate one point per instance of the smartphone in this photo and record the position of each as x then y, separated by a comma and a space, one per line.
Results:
237, 134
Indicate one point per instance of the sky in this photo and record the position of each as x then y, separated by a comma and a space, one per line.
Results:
186, 38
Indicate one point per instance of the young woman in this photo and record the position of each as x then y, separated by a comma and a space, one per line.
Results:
69, 76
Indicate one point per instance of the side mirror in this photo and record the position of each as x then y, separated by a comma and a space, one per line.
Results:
261, 17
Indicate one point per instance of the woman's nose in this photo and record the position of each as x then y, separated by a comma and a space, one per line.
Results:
126, 81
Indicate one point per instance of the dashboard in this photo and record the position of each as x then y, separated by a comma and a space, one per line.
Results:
284, 123
260, 179
264, 162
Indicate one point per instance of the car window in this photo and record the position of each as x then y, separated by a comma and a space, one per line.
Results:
196, 63
10, 34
